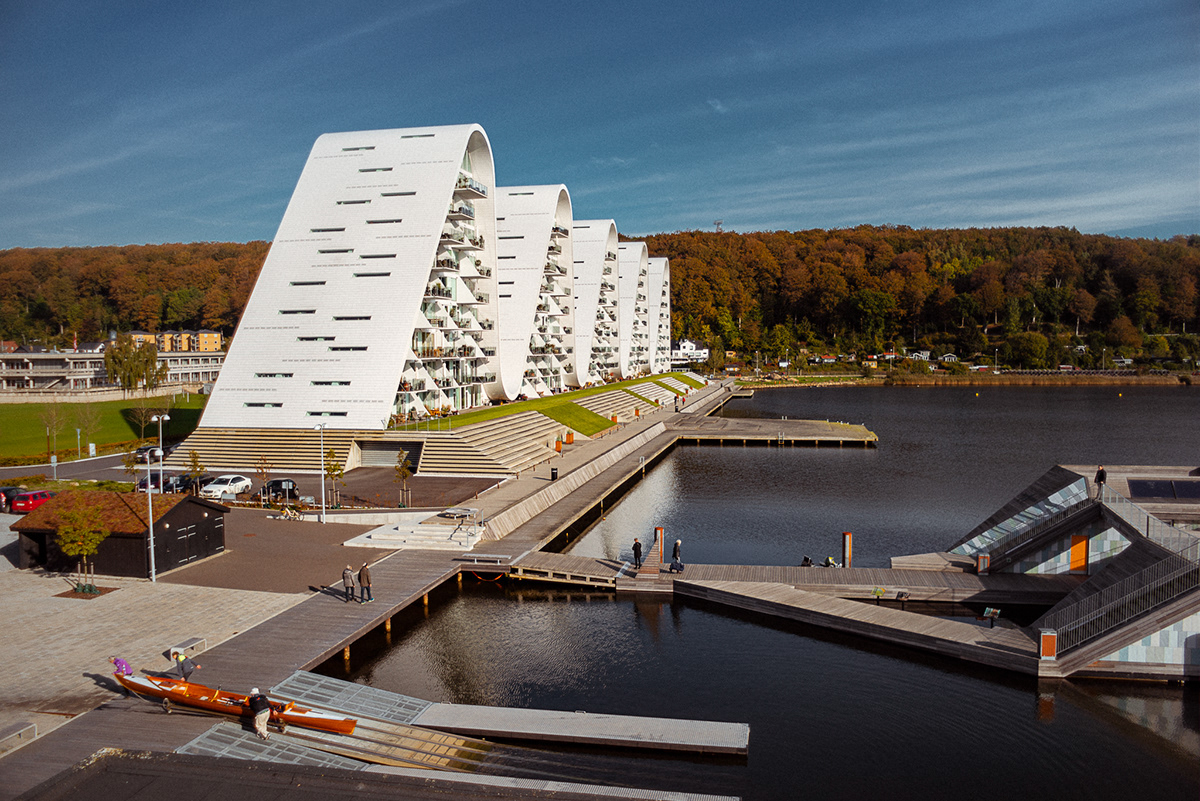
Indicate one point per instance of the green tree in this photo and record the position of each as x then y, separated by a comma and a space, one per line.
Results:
1028, 349
80, 532
334, 471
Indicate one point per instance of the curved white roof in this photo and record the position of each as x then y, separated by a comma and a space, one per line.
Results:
534, 289
595, 243
658, 290
633, 267
327, 335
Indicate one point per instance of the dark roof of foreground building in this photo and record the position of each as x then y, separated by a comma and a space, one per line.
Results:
153, 776
120, 512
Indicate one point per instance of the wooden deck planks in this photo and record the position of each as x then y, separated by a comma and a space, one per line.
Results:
999, 647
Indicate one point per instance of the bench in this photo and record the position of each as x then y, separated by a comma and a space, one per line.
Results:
17, 734
195, 645
491, 557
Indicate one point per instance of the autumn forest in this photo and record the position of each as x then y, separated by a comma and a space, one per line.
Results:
1037, 292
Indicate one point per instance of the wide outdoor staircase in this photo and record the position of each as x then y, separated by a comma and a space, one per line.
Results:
653, 391
617, 403
283, 449
518, 441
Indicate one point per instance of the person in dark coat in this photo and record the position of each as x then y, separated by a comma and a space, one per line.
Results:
184, 665
348, 583
637, 553
1101, 477
364, 584
261, 708
675, 550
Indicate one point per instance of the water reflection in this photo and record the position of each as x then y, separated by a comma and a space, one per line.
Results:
831, 716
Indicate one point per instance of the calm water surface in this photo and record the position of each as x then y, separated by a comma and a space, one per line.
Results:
831, 717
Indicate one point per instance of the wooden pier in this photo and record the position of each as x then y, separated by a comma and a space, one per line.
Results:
792, 433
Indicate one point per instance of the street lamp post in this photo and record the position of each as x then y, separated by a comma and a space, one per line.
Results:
321, 463
996, 362
150, 507
160, 419
78, 444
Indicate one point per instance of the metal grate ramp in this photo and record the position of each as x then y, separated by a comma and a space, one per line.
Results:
231, 740
356, 700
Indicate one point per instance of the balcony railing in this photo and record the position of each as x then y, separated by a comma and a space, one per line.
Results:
467, 185
558, 230
463, 211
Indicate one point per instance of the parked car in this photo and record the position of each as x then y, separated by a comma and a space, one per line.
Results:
188, 483
153, 483
281, 489
28, 501
230, 484
6, 496
145, 454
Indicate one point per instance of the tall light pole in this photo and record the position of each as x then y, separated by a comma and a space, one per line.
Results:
321, 463
160, 419
150, 507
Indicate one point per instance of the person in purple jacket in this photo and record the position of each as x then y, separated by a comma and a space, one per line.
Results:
120, 666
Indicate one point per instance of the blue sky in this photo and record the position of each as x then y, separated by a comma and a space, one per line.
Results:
134, 122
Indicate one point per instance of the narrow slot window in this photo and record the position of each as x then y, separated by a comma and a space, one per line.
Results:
397, 194
308, 283
273, 375
377, 255
347, 347
383, 222
297, 311
357, 317
352, 202
326, 414
371, 275
315, 339
375, 169
331, 383
264, 405
326, 230
361, 147
510, 237
336, 250
418, 136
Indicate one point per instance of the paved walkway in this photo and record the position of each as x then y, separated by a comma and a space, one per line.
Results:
54, 651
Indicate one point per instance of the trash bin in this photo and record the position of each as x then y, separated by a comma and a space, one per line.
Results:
554, 474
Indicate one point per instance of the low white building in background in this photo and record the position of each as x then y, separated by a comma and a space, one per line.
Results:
687, 351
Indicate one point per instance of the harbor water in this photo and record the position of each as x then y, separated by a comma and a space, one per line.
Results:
831, 716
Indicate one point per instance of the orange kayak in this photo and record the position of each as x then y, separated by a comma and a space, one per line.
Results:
226, 703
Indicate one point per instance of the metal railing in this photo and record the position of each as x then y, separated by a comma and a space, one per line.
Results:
1143, 522
1114, 606
1000, 548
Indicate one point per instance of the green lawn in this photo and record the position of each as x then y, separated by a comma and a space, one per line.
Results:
561, 408
23, 433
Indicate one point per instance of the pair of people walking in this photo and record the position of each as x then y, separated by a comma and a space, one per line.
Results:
363, 582
676, 564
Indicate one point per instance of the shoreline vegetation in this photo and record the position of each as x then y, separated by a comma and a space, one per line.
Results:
970, 380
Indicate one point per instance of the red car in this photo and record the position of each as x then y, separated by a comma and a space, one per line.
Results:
28, 501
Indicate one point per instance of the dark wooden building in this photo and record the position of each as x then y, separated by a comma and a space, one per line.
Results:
186, 529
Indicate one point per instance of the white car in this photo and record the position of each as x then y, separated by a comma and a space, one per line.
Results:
231, 484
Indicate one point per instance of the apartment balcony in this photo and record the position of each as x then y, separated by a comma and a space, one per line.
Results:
438, 291
461, 211
610, 256
467, 187
484, 272
607, 270
554, 249
487, 325
559, 231
446, 265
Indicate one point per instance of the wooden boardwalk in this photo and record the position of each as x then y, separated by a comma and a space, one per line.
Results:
751, 431
921, 585
1001, 647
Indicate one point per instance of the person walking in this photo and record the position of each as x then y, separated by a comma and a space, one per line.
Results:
364, 584
1101, 477
675, 550
184, 666
261, 708
637, 554
348, 583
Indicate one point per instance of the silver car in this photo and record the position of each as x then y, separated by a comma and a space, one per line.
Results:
231, 484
